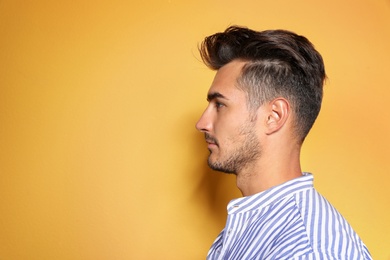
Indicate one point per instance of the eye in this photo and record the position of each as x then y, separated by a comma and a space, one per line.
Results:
219, 105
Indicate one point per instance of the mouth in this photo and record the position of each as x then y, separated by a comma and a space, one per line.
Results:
211, 145
211, 141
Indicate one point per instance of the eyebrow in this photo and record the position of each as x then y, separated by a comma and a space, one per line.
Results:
214, 95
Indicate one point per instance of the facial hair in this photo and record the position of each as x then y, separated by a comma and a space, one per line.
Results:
239, 158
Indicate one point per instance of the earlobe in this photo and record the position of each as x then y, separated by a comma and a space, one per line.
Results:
278, 113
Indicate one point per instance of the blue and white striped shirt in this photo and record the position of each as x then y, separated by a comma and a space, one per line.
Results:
289, 221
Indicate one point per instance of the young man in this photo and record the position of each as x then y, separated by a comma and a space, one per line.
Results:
264, 99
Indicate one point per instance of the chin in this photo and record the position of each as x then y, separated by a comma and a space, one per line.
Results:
220, 167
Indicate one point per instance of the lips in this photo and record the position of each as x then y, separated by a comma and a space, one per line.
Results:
211, 141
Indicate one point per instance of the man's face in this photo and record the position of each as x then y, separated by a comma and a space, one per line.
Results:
229, 131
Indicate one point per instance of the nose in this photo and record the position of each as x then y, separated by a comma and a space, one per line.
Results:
204, 123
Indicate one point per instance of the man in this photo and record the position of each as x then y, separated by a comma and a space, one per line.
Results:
264, 99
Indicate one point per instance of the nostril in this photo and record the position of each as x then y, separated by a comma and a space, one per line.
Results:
204, 123
199, 126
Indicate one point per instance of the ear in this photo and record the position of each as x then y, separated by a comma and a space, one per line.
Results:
277, 114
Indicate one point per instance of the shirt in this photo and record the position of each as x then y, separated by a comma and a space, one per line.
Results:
288, 221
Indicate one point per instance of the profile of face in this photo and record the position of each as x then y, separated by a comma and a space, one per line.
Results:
227, 123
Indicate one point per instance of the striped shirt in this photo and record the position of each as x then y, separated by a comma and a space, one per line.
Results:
289, 221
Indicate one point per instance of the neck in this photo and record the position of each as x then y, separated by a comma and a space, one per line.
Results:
269, 171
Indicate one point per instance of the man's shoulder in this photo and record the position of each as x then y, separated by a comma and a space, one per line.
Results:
330, 234
331, 255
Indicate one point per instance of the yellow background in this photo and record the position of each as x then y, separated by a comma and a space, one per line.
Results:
99, 156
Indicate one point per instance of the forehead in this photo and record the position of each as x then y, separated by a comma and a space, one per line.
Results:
225, 80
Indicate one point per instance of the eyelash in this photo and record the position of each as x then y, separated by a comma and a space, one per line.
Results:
218, 105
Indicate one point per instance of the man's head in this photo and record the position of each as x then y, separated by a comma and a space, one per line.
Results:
277, 63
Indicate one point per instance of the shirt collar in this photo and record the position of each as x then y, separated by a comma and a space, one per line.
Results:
267, 197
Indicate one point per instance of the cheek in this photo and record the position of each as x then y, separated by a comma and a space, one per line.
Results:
229, 121
223, 127
228, 126
228, 134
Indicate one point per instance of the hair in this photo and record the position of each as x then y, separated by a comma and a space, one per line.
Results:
279, 63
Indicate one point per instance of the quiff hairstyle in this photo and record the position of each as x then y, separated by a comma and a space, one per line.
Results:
279, 63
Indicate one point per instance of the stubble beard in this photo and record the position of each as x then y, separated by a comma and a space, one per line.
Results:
242, 156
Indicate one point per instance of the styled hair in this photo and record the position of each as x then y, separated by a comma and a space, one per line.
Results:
279, 63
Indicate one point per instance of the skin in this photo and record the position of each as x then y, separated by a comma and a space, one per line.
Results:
258, 146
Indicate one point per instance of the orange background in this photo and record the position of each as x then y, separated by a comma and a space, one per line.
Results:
99, 156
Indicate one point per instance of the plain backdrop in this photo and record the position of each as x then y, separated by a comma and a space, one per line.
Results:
99, 156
